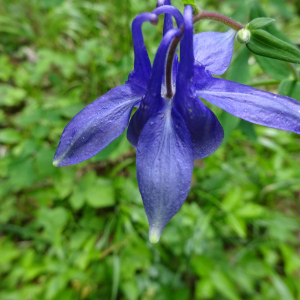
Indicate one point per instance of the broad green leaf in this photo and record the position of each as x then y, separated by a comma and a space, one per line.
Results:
266, 44
10, 96
116, 277
229, 123
259, 23
240, 13
250, 210
130, 289
284, 9
77, 199
275, 68
237, 224
101, 194
8, 252
202, 265
10, 136
281, 288
291, 259
44, 162
224, 286
232, 200
22, 173
204, 289
248, 130
239, 70
290, 88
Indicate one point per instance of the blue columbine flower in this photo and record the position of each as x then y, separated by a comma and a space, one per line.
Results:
170, 131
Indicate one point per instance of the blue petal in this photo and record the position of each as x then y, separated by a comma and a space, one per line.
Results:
152, 102
214, 50
142, 65
250, 104
186, 69
205, 129
168, 22
164, 168
97, 125
169, 11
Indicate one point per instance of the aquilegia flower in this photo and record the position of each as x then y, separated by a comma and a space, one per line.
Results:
170, 131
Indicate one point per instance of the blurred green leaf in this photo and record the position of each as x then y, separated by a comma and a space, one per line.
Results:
248, 130
204, 289
239, 70
256, 11
10, 136
237, 224
10, 96
250, 210
275, 68
281, 288
224, 286
259, 23
229, 123
100, 195
290, 88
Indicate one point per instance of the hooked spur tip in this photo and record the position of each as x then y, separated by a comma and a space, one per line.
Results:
154, 20
160, 3
154, 235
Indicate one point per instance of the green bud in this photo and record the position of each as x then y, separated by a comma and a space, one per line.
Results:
243, 35
265, 44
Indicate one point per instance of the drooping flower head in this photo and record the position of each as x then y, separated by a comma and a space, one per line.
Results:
172, 126
170, 132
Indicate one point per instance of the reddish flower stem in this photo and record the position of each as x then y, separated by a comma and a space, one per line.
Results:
201, 16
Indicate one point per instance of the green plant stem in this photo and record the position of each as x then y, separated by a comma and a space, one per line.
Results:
217, 17
266, 82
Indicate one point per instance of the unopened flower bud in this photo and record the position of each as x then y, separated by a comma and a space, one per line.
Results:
243, 36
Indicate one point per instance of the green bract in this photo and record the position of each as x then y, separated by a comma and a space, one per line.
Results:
259, 23
265, 44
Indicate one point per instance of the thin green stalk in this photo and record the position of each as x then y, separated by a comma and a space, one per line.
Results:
266, 82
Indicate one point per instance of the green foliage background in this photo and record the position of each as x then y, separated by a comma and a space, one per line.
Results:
80, 232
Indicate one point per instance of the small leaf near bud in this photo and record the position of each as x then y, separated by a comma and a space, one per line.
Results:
259, 23
243, 35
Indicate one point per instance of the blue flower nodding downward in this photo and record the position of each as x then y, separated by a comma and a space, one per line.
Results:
169, 133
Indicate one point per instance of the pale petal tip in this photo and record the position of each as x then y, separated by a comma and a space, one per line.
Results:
55, 163
154, 235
